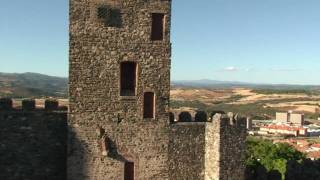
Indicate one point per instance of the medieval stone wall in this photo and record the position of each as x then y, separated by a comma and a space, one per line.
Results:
208, 150
96, 52
107, 130
32, 142
144, 143
232, 146
187, 150
212, 154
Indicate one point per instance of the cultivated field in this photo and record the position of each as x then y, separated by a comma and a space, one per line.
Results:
260, 103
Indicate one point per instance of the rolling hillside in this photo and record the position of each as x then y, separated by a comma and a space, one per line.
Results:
32, 85
40, 85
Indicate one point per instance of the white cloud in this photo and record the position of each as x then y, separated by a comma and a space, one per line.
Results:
235, 69
231, 68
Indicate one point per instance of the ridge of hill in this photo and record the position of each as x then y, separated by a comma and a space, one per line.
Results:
26, 85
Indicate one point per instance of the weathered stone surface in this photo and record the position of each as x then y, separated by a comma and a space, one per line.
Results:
232, 147
106, 130
186, 150
158, 149
33, 145
208, 150
96, 51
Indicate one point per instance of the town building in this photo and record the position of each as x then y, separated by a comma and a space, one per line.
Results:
290, 117
282, 117
283, 129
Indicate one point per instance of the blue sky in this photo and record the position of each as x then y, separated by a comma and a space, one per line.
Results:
260, 41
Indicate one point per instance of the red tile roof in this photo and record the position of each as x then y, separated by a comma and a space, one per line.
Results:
315, 154
284, 127
316, 145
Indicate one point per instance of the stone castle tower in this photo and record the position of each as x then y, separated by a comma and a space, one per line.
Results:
119, 89
118, 123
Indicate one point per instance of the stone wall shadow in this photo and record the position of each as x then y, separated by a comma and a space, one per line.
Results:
75, 159
33, 145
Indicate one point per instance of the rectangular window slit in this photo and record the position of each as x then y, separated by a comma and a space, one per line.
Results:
148, 105
157, 31
129, 171
128, 78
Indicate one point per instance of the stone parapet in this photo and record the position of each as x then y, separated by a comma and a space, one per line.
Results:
212, 150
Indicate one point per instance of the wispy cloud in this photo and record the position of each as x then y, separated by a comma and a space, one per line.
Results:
235, 69
285, 69
248, 69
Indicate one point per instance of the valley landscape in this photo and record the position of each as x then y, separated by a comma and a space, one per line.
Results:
257, 101
32, 85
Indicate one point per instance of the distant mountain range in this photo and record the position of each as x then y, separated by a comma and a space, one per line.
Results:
207, 83
32, 85
39, 85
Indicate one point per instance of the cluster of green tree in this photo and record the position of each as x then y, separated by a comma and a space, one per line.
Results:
234, 98
254, 110
268, 161
286, 91
312, 116
192, 104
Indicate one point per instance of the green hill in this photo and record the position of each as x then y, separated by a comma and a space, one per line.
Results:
32, 85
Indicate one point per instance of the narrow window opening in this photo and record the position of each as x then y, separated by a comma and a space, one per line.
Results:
148, 105
128, 78
157, 31
129, 171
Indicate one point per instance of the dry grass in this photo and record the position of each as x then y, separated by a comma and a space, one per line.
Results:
203, 95
304, 106
244, 96
251, 97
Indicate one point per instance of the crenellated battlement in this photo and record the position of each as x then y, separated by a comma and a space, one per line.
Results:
31, 135
212, 149
229, 119
28, 105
